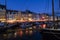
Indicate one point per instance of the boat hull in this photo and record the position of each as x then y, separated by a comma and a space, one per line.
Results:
49, 34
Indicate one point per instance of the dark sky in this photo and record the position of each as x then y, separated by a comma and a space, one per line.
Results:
39, 6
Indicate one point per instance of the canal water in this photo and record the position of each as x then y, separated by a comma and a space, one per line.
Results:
31, 35
34, 36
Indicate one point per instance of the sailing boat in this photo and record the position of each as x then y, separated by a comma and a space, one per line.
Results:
51, 33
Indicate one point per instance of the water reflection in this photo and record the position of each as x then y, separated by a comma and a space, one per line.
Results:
30, 32
26, 32
29, 35
23, 35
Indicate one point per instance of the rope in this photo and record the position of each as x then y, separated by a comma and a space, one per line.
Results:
55, 35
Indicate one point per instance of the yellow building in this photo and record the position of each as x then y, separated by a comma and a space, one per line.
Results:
2, 13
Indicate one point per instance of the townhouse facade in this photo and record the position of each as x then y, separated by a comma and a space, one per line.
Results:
27, 15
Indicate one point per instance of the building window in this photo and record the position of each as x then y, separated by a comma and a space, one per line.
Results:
30, 14
0, 8
8, 12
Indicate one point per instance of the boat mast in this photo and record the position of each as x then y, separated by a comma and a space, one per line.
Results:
53, 14
6, 9
5, 13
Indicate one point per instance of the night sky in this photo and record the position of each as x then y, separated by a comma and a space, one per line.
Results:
39, 6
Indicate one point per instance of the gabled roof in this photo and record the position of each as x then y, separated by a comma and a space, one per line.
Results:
12, 10
2, 6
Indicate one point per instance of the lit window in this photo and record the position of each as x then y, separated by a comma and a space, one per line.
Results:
30, 14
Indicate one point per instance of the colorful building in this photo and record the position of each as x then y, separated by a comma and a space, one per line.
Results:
2, 13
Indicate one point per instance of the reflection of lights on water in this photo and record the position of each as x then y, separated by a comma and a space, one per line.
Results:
39, 26
26, 32
4, 35
15, 34
30, 32
21, 33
